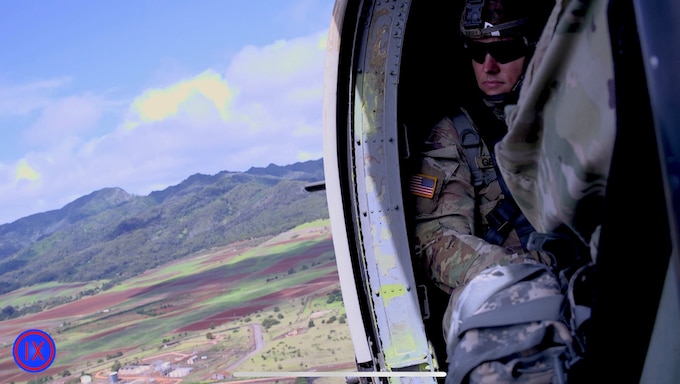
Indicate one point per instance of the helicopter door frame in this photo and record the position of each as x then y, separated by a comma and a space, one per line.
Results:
369, 226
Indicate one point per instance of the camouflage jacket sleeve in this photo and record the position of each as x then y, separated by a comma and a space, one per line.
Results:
449, 215
556, 162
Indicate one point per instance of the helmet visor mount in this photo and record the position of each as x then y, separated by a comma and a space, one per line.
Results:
480, 20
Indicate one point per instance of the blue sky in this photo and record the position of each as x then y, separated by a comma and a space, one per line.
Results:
142, 94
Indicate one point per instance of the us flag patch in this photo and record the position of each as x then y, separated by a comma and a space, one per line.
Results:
423, 185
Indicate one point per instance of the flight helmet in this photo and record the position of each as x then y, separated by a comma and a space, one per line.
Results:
524, 19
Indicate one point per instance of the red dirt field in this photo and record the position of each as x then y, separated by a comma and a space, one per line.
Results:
315, 288
181, 292
10, 329
284, 266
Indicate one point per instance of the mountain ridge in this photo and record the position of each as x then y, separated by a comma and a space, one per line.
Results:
112, 235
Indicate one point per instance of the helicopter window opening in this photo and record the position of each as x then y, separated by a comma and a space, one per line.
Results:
433, 74
436, 77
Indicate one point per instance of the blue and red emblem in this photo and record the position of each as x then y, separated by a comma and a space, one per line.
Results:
34, 350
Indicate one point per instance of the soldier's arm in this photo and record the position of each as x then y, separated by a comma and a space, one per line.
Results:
446, 242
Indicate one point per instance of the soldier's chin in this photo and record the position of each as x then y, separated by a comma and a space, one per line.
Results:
494, 91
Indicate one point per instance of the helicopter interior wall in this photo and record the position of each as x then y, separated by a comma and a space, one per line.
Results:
433, 71
434, 76
619, 261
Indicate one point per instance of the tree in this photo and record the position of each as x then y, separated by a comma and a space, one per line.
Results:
269, 322
8, 312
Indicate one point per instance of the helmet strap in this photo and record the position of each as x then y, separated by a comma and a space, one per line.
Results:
498, 102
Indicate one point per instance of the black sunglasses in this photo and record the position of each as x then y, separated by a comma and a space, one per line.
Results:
503, 51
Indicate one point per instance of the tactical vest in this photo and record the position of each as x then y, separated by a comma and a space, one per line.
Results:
506, 216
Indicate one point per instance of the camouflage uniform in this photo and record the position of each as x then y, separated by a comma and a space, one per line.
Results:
450, 212
451, 219
555, 160
556, 163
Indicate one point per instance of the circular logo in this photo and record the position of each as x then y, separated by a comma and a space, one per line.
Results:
34, 350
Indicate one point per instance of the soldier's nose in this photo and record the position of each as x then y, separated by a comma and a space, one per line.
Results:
490, 64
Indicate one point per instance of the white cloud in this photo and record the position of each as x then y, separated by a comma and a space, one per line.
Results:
280, 88
66, 117
187, 98
284, 62
265, 107
17, 100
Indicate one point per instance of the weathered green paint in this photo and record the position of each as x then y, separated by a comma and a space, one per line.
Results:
395, 313
390, 291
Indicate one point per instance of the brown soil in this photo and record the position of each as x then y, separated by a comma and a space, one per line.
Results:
175, 291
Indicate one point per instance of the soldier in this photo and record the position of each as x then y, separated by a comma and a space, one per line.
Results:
466, 221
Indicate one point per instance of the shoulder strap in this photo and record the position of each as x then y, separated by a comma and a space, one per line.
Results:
506, 215
472, 145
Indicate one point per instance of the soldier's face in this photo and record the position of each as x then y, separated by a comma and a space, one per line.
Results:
497, 62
